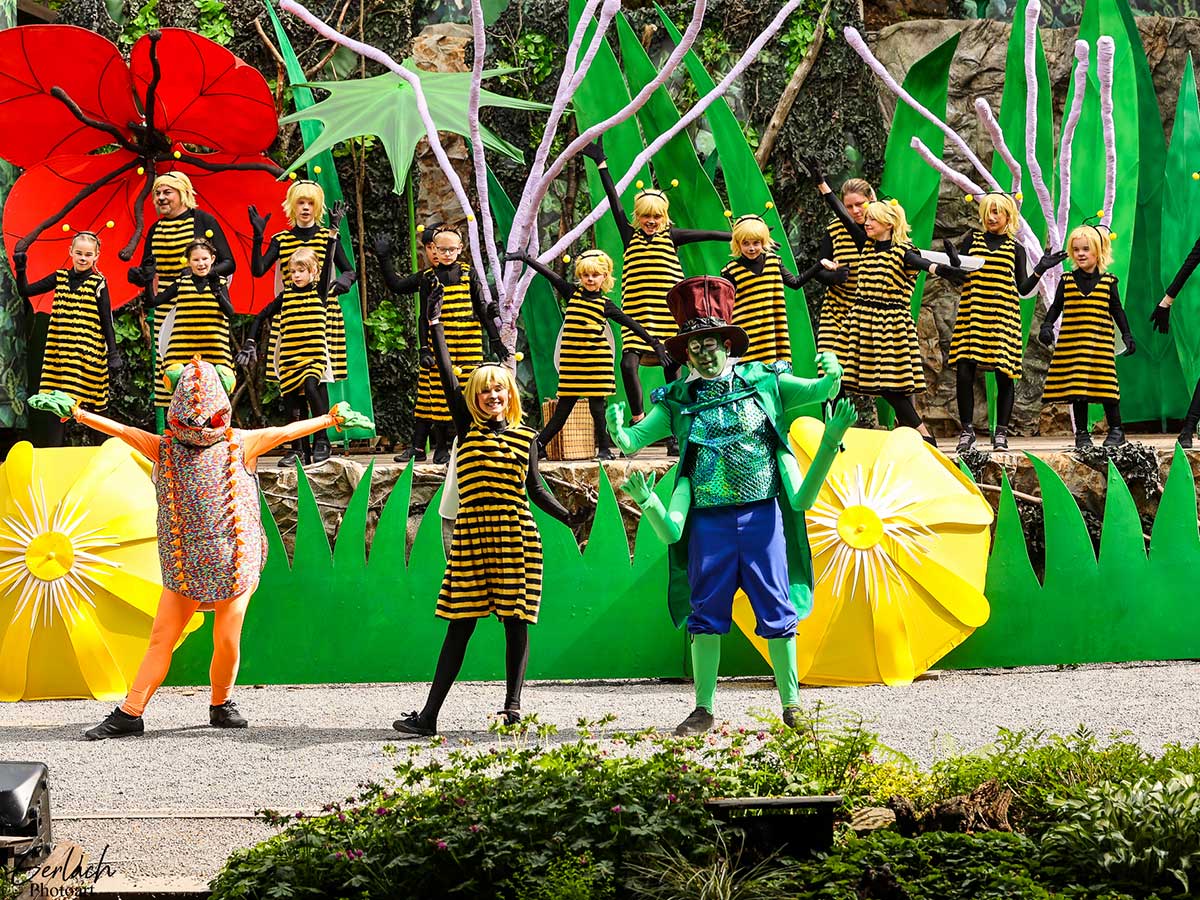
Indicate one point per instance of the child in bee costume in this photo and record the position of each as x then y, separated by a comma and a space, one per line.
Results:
197, 324
585, 352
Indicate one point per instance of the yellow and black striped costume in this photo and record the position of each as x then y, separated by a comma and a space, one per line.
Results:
167, 241
650, 268
335, 327
75, 360
200, 328
464, 338
585, 360
1084, 366
838, 297
495, 561
300, 334
877, 342
760, 309
987, 329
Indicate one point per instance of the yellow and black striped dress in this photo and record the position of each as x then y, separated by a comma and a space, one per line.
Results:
335, 326
1084, 366
200, 328
838, 297
760, 309
649, 269
987, 329
168, 241
75, 360
585, 358
464, 340
301, 352
877, 343
495, 561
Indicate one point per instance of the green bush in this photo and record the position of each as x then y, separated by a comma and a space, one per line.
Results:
1139, 836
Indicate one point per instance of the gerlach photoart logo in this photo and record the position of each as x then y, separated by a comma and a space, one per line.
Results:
67, 872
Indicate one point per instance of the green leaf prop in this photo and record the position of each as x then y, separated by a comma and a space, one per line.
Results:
748, 193
1152, 383
1181, 223
906, 176
386, 106
695, 201
357, 388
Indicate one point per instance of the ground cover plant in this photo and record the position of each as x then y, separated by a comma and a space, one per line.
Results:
536, 814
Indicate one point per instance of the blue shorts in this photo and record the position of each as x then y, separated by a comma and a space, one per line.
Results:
733, 547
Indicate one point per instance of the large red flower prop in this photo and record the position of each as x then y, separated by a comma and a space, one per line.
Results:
92, 132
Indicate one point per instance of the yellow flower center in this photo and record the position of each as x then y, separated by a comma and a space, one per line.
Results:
50, 556
860, 527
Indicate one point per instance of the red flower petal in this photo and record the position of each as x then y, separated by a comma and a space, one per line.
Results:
33, 124
206, 97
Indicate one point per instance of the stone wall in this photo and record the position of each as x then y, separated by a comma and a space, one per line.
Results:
978, 71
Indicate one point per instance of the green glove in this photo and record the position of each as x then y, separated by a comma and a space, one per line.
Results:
828, 363
348, 418
639, 487
843, 419
62, 405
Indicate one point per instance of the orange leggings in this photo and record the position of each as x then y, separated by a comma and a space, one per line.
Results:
174, 611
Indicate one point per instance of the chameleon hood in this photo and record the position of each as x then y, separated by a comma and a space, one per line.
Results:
200, 412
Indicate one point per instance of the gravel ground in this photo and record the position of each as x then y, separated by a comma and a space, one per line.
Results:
311, 744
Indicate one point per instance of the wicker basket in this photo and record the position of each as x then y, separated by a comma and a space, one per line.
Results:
577, 440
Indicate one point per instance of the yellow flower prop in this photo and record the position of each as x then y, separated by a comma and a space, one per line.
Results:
79, 571
900, 540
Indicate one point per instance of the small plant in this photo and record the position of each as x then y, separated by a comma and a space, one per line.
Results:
669, 874
214, 23
1144, 835
388, 327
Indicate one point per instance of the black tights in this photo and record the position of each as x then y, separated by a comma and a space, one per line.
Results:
312, 396
1112, 414
45, 429
902, 404
454, 650
965, 373
563, 410
1193, 413
631, 362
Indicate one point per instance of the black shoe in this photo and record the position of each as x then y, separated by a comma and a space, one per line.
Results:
118, 724
929, 439
700, 721
1000, 439
672, 447
1083, 440
605, 453
509, 716
1116, 437
415, 725
441, 457
966, 440
411, 453
790, 716
321, 448
287, 460
1185, 436
226, 716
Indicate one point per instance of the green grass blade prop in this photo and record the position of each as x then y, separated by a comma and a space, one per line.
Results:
389, 549
905, 175
357, 388
350, 550
1181, 223
748, 193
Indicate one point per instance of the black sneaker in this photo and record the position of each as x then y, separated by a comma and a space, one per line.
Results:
1115, 437
1083, 440
929, 439
509, 716
118, 724
413, 724
321, 448
672, 447
441, 457
790, 715
700, 721
604, 453
411, 453
966, 439
1185, 438
287, 460
1000, 439
226, 716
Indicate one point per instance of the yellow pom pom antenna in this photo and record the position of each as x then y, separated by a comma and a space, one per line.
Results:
110, 224
470, 218
770, 205
1112, 236
674, 182
1100, 213
639, 184
729, 213
968, 198
177, 154
141, 170
566, 257
1018, 196
208, 232
1196, 176
316, 170
420, 229
292, 176
66, 227
518, 356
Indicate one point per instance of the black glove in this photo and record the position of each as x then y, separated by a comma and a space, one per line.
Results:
664, 357
839, 275
1049, 260
811, 168
337, 212
20, 259
248, 355
115, 362
576, 517
382, 245
953, 274
215, 282
502, 352
1130, 345
1046, 334
147, 273
1161, 318
258, 223
425, 358
594, 151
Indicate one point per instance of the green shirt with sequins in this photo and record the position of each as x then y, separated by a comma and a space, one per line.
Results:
733, 443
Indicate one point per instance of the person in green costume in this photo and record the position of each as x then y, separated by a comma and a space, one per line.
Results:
736, 514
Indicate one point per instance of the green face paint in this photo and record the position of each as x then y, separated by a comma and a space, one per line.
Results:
707, 355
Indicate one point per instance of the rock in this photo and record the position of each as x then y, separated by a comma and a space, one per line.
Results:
872, 818
984, 809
